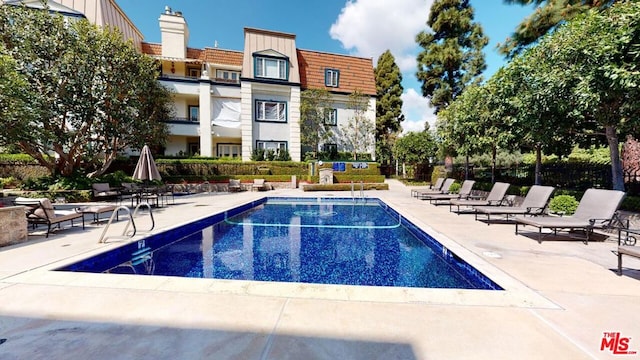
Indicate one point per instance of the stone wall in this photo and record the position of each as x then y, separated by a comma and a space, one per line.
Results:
13, 223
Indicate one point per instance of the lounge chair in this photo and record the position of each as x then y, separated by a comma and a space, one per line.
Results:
259, 185
464, 193
40, 211
494, 198
597, 209
534, 204
433, 188
444, 189
234, 185
102, 191
632, 251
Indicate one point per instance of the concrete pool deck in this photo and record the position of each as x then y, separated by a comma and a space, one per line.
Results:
561, 299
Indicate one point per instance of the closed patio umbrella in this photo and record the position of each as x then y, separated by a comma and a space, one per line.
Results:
146, 169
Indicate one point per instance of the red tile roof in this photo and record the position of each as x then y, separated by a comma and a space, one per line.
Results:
355, 73
211, 55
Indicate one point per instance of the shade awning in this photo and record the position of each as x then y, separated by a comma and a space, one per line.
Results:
226, 113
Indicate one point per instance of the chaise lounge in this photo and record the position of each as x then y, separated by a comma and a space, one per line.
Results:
596, 210
464, 193
534, 204
444, 189
40, 212
494, 198
434, 188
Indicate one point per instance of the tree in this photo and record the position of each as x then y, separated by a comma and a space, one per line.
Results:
452, 57
91, 94
591, 67
14, 109
415, 148
315, 105
547, 15
358, 131
389, 115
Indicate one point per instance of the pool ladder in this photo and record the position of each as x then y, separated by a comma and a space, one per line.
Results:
353, 194
131, 222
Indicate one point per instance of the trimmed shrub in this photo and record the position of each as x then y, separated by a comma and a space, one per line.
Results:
563, 204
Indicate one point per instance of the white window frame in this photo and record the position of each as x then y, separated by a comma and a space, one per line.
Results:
331, 77
194, 110
228, 75
229, 150
262, 68
264, 108
331, 117
271, 145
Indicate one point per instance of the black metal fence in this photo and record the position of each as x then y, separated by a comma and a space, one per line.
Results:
576, 176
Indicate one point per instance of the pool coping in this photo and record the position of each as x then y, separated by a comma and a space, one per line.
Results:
515, 293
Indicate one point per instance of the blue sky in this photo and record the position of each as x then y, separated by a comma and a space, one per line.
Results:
357, 27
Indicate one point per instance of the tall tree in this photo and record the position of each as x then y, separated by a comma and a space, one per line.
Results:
592, 62
91, 94
358, 131
315, 105
452, 57
389, 115
415, 148
547, 15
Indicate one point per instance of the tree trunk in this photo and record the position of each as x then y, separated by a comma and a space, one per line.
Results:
494, 153
616, 165
466, 167
538, 175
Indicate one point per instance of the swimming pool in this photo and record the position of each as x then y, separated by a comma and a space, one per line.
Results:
302, 240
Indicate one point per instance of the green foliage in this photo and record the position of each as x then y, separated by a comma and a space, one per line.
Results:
315, 105
415, 148
344, 187
388, 105
452, 57
545, 17
8, 182
90, 94
455, 188
563, 204
358, 132
438, 172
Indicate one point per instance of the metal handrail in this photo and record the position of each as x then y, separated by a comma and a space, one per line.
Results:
135, 212
114, 214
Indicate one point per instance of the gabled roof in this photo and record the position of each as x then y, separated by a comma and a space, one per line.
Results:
210, 55
355, 73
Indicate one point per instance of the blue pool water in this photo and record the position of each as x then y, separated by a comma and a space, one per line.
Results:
323, 241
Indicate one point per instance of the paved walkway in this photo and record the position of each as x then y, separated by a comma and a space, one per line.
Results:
562, 297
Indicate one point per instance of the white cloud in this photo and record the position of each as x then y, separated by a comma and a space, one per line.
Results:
417, 111
369, 27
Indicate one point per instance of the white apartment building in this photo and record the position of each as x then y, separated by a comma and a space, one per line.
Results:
229, 102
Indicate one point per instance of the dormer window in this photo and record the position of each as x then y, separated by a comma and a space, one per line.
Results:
331, 77
271, 65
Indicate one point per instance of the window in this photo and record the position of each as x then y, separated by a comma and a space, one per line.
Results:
227, 76
331, 117
194, 72
194, 112
330, 148
229, 150
271, 68
276, 146
271, 111
331, 77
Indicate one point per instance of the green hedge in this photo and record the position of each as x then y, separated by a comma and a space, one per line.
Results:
344, 187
